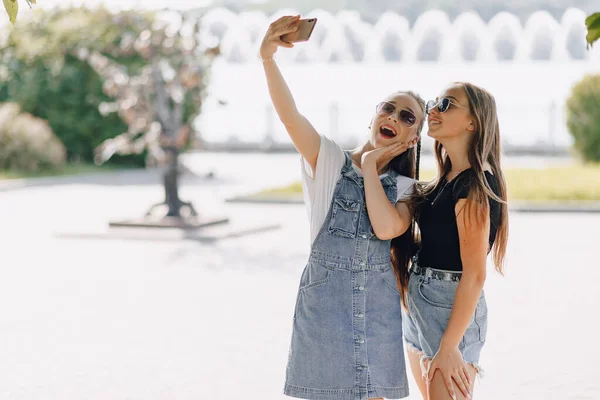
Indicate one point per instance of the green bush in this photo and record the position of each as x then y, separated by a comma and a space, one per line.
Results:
39, 71
27, 143
583, 117
69, 102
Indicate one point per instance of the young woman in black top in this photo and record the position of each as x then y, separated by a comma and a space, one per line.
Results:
462, 216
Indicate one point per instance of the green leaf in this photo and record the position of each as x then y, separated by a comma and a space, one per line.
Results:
593, 25
12, 8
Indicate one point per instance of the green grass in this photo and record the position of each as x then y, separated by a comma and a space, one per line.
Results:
570, 183
294, 189
560, 184
69, 169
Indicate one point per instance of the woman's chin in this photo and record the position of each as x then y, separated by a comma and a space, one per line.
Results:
381, 141
435, 135
378, 142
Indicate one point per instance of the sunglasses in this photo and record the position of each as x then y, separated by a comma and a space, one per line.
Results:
405, 116
442, 104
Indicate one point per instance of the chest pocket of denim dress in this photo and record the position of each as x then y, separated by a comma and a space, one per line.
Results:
344, 217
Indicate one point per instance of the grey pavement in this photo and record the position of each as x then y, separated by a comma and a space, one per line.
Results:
92, 313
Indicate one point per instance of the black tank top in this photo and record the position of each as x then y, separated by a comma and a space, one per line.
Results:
440, 246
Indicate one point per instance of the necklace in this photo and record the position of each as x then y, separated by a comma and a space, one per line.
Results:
446, 184
439, 193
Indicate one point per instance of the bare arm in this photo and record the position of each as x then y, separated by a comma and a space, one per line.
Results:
473, 233
304, 136
388, 221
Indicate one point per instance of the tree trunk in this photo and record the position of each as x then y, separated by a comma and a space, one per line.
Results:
171, 183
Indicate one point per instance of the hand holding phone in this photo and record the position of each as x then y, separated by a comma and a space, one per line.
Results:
302, 34
284, 32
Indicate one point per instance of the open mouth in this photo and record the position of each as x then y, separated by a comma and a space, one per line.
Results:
387, 131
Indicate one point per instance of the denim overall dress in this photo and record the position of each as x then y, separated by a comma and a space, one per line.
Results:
347, 326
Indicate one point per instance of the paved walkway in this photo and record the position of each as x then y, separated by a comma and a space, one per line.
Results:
87, 313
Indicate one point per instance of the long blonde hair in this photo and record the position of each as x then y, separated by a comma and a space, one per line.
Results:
485, 147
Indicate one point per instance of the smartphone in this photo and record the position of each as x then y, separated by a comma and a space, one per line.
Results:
305, 28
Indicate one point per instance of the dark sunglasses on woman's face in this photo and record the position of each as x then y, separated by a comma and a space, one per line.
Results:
442, 104
405, 116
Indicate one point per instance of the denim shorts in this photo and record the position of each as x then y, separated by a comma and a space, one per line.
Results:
431, 294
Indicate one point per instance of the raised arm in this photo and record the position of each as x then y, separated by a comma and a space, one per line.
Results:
304, 136
388, 220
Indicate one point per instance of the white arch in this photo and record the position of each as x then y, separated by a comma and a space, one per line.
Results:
328, 38
573, 25
469, 30
390, 33
346, 37
505, 32
356, 33
542, 39
431, 28
325, 21
256, 24
217, 21
236, 46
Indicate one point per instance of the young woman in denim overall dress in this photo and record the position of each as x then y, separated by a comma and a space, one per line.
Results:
462, 216
347, 326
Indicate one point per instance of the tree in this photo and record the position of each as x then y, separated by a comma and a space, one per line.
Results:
152, 70
158, 104
583, 117
593, 26
12, 8
40, 71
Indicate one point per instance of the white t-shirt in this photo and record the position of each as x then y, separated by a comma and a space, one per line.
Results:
318, 188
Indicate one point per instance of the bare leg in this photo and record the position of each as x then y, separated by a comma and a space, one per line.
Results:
437, 387
414, 358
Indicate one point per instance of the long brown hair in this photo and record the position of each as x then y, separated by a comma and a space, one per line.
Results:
485, 147
404, 246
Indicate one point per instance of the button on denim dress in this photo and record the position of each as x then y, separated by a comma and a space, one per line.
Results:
347, 326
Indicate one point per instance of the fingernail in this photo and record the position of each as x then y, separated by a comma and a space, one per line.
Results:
453, 397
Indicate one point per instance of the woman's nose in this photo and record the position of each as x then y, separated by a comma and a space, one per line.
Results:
434, 111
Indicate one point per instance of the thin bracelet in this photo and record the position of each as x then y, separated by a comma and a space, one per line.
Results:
264, 60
